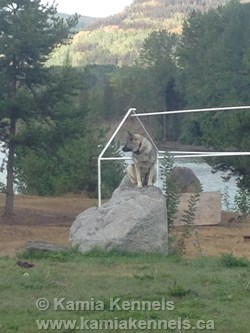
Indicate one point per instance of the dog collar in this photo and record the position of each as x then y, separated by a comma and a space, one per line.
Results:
138, 150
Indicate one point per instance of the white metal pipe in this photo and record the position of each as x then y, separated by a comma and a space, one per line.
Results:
99, 182
190, 111
116, 158
215, 155
177, 154
145, 130
189, 152
162, 152
104, 150
116, 131
210, 153
185, 152
157, 170
183, 155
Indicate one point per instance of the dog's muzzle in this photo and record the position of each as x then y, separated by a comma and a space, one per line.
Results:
125, 149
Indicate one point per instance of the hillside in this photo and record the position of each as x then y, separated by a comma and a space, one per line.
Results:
116, 40
83, 23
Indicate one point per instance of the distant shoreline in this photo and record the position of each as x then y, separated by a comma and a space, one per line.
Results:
174, 145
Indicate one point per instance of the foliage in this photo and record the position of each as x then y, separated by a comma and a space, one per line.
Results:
169, 187
67, 166
225, 199
188, 219
172, 201
242, 201
207, 65
56, 256
117, 39
189, 214
2, 187
157, 57
30, 30
178, 290
111, 91
214, 71
83, 21
229, 260
197, 243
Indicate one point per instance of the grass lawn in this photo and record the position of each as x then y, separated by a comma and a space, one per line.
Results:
145, 289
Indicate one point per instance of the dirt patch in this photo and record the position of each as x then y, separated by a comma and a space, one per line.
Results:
46, 211
39, 218
219, 239
49, 219
14, 237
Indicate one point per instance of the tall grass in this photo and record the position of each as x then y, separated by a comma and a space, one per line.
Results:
201, 289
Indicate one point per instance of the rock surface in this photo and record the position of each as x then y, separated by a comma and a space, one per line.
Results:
208, 211
133, 220
186, 180
33, 246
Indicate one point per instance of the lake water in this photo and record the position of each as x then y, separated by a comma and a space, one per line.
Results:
210, 182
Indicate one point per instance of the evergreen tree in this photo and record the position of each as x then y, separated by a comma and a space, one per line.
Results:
28, 33
213, 59
157, 57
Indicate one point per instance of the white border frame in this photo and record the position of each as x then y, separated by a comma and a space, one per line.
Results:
177, 154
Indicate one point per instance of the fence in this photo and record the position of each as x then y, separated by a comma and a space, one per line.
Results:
177, 154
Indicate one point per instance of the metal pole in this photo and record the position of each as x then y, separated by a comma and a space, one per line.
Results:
104, 150
157, 170
190, 111
186, 154
116, 131
182, 154
215, 154
99, 182
145, 130
149, 136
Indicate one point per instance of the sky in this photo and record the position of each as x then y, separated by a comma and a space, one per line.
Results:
95, 8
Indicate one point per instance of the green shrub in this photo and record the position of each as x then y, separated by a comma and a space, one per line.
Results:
178, 290
229, 260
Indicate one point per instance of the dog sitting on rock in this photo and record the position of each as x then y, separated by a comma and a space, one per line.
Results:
144, 155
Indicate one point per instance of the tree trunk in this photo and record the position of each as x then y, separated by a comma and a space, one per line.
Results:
10, 171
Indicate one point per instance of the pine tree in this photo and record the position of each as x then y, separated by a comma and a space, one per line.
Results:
28, 32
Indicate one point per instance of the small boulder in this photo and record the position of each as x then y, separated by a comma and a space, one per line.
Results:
186, 180
33, 246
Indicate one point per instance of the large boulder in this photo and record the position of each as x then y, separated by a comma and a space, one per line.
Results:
186, 180
133, 220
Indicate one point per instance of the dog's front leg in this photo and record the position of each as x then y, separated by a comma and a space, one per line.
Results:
138, 176
151, 176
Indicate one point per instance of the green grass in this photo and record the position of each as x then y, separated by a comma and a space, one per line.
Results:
229, 260
201, 289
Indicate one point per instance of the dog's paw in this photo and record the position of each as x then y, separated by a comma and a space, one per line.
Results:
139, 185
150, 184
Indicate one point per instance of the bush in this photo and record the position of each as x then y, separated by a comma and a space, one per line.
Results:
68, 167
229, 260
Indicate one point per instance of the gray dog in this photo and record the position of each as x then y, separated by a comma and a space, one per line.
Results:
143, 170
